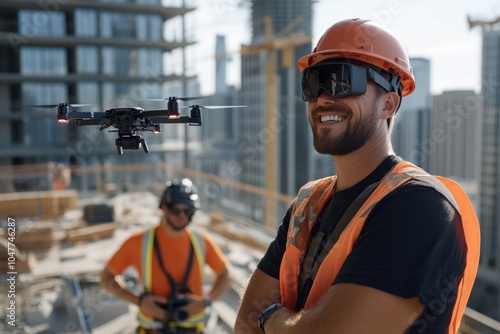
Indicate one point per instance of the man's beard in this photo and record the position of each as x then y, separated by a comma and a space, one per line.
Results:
175, 227
354, 137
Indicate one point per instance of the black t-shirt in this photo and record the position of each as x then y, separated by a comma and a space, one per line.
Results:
412, 245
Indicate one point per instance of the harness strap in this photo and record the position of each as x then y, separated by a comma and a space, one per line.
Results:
183, 288
315, 256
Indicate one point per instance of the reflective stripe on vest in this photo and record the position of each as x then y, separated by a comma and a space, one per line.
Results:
314, 196
146, 273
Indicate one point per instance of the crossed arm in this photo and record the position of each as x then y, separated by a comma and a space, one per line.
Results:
345, 309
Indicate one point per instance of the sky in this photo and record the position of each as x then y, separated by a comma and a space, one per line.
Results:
436, 30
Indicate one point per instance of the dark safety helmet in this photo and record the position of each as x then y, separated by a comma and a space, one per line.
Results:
181, 192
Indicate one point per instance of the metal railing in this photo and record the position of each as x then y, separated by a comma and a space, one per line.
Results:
474, 322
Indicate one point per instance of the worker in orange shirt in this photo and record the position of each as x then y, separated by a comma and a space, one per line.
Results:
61, 177
170, 259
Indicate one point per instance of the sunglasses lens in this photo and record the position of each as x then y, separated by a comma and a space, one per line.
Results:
175, 210
337, 80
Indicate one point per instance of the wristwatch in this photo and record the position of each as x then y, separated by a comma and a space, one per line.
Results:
266, 314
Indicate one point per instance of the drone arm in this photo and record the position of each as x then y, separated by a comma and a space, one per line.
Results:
153, 113
181, 119
87, 115
96, 121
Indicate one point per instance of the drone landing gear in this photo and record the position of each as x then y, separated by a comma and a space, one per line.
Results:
131, 143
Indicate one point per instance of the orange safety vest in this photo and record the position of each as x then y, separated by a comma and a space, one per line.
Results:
308, 206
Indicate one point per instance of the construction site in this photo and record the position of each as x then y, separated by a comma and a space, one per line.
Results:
68, 200
57, 242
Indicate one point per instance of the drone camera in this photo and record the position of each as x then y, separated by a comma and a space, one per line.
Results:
131, 143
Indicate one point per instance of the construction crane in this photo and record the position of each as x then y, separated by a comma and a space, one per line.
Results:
270, 45
481, 23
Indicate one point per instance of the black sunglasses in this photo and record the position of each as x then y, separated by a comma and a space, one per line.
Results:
341, 79
175, 210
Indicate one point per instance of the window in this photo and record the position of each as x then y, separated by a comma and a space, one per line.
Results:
41, 128
43, 61
87, 60
41, 23
85, 22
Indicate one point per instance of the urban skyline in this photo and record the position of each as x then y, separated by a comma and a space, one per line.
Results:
447, 41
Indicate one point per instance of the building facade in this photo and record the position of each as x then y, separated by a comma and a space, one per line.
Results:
292, 163
411, 130
455, 142
487, 288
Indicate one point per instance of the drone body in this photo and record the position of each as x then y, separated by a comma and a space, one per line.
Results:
130, 122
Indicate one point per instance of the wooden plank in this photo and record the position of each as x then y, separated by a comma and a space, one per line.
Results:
91, 233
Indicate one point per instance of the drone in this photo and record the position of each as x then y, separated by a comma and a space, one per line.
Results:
130, 122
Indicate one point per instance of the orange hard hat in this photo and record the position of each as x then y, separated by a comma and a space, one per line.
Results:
366, 41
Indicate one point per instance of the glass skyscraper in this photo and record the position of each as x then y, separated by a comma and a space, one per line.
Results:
292, 141
488, 284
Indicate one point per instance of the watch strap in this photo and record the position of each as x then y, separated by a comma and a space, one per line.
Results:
266, 314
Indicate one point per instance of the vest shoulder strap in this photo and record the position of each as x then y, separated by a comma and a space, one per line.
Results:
199, 248
147, 258
472, 235
317, 192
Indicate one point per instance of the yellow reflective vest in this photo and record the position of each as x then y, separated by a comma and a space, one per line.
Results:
146, 271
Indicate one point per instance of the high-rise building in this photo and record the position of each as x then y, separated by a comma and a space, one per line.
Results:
107, 53
488, 283
411, 130
454, 141
220, 138
293, 163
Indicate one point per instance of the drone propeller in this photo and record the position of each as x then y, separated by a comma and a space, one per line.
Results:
217, 107
174, 98
57, 105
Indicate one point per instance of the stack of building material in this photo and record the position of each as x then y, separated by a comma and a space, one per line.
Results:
44, 205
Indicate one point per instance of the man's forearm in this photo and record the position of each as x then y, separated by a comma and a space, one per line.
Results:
220, 286
247, 321
117, 287
262, 291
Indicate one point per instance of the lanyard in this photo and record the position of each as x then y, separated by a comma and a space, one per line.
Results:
183, 288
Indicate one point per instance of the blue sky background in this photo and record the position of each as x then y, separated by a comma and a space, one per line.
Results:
437, 30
